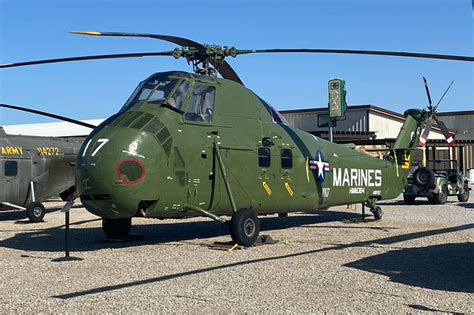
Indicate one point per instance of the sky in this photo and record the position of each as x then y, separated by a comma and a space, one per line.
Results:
34, 29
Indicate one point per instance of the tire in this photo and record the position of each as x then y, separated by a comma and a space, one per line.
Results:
464, 196
424, 177
244, 227
378, 213
442, 196
116, 228
432, 200
409, 200
35, 211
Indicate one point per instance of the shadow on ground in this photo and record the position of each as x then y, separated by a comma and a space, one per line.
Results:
16, 215
447, 267
380, 241
89, 239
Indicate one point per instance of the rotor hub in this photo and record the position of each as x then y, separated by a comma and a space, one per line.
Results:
205, 61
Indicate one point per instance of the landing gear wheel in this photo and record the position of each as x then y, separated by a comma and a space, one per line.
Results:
442, 196
116, 228
378, 213
35, 211
244, 227
409, 200
464, 196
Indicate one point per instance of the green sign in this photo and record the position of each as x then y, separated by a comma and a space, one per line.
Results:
337, 98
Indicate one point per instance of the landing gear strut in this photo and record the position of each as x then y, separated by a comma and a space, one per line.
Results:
374, 208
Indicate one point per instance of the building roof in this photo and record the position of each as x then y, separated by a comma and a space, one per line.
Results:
349, 107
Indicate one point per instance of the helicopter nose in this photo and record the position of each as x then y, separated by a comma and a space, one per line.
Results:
113, 168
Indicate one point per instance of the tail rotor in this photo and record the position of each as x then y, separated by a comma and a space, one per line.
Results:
432, 116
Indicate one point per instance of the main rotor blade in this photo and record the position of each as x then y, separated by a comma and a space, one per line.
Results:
86, 58
359, 52
225, 69
38, 112
445, 131
427, 92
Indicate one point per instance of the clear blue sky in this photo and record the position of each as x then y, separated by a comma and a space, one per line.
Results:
33, 29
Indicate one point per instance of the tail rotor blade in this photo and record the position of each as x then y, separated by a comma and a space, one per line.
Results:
449, 86
425, 134
445, 131
428, 92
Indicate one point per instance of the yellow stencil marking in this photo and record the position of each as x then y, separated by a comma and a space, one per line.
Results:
406, 162
288, 188
267, 188
307, 169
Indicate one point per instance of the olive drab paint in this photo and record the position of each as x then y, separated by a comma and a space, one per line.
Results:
161, 160
193, 144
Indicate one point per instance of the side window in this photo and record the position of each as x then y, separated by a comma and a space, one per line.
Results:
179, 96
11, 168
323, 120
202, 103
286, 158
264, 157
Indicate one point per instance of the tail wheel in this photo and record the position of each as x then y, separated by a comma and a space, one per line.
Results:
442, 196
464, 196
116, 228
378, 213
244, 227
35, 211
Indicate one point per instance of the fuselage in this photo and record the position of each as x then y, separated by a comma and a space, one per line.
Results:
158, 155
46, 162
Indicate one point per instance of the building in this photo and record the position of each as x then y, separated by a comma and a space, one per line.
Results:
370, 125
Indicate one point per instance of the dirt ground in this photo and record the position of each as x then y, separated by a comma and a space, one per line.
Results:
417, 258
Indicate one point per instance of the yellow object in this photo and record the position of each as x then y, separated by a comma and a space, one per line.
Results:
87, 33
267, 188
307, 169
288, 188
406, 162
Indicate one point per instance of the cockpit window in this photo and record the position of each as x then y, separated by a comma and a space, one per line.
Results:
202, 103
179, 96
156, 89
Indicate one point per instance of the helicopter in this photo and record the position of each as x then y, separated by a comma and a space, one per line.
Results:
35, 168
194, 144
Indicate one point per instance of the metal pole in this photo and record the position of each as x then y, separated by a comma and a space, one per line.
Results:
66, 238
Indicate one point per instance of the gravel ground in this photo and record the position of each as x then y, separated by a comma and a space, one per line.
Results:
417, 258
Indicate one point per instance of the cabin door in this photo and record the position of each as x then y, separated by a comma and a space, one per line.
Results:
16, 175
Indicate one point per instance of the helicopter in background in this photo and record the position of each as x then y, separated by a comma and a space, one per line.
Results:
33, 169
192, 144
